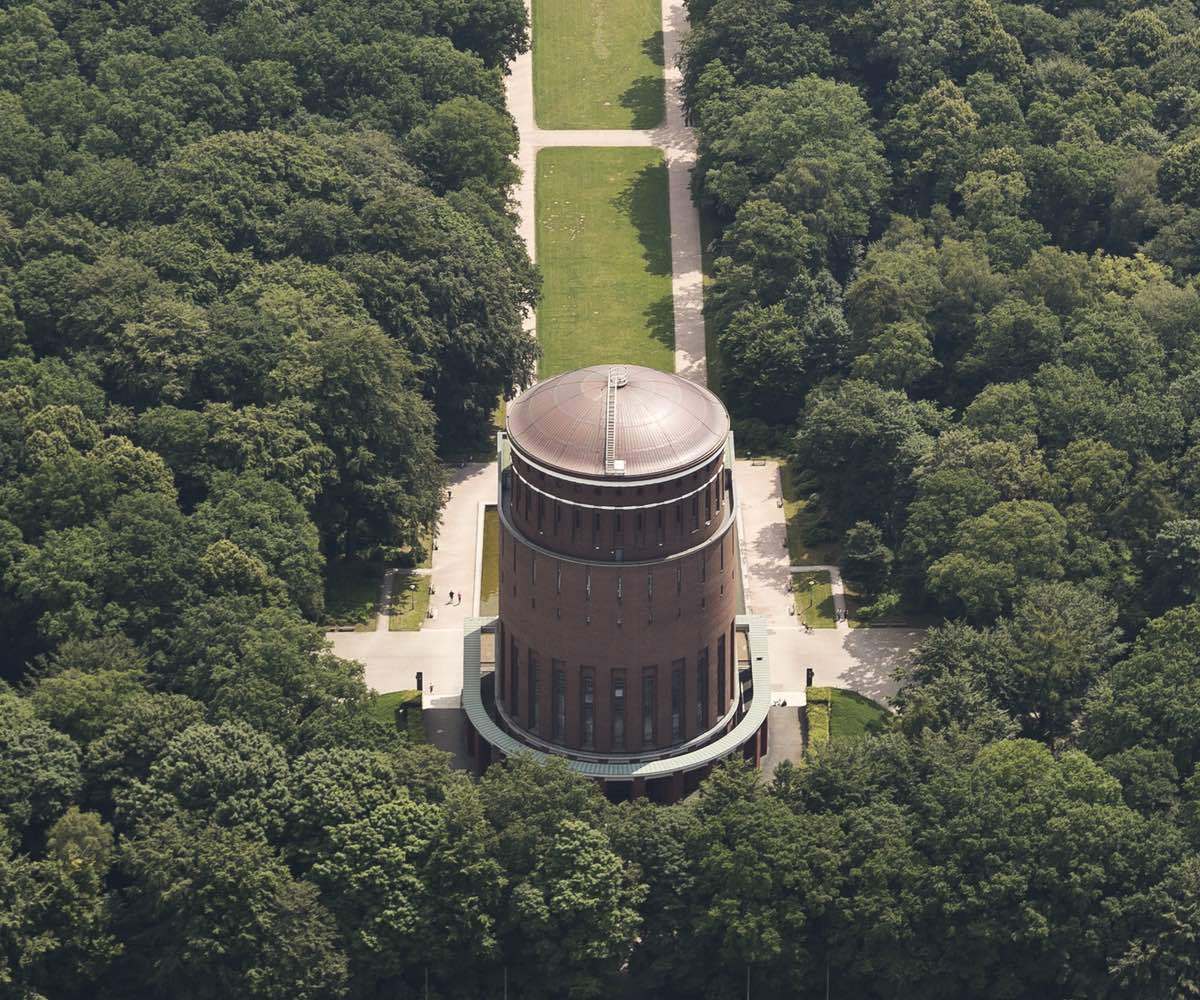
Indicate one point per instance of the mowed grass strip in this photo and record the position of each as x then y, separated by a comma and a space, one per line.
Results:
604, 248
597, 63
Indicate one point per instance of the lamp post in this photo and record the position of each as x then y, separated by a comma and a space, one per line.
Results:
812, 580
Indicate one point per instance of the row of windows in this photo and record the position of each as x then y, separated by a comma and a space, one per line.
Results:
701, 561
617, 697
532, 505
691, 479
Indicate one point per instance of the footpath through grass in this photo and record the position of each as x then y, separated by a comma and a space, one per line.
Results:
597, 63
604, 247
813, 594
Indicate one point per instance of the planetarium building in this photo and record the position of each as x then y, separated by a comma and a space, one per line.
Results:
619, 644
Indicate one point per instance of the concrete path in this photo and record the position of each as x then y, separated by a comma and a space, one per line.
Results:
678, 145
862, 659
383, 619
392, 659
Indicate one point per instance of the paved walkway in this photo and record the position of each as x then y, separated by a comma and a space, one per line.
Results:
392, 659
859, 658
678, 145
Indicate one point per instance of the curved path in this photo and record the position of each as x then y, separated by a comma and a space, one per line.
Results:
674, 137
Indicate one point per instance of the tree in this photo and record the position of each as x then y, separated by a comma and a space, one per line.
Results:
1059, 639
212, 912
862, 441
576, 911
1149, 698
466, 141
39, 768
230, 775
866, 560
1012, 543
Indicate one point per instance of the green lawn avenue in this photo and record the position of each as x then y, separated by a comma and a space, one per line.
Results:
597, 63
604, 247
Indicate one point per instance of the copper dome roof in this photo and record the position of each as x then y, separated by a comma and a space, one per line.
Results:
663, 423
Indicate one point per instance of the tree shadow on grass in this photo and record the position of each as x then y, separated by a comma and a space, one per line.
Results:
660, 321
645, 97
646, 203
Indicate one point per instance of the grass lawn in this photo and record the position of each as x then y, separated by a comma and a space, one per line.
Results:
597, 63
604, 247
352, 593
385, 707
848, 714
489, 579
802, 517
410, 601
814, 602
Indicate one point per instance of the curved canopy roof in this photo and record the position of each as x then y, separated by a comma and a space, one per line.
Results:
662, 423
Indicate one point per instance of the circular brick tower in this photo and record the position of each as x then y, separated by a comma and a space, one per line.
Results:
618, 566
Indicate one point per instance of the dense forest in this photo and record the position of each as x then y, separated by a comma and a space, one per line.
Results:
258, 264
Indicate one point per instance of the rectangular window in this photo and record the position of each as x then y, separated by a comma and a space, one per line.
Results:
587, 708
559, 692
677, 701
649, 703
720, 674
618, 709
514, 671
701, 691
534, 690
501, 666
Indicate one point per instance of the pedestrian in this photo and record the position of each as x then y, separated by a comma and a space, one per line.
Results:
452, 597
459, 601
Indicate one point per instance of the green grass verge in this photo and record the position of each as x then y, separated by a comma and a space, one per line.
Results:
847, 715
489, 574
352, 593
803, 516
818, 723
604, 248
597, 63
813, 594
410, 602
384, 709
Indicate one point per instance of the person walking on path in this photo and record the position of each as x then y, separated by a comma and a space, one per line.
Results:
452, 597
